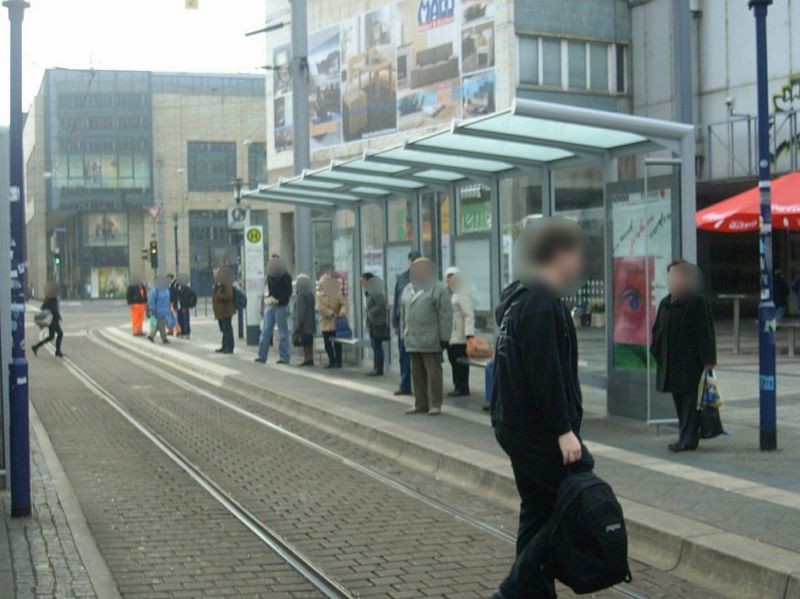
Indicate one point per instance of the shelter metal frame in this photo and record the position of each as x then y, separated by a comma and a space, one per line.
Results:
530, 137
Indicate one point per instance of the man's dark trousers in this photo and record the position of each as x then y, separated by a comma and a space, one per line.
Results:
405, 366
538, 471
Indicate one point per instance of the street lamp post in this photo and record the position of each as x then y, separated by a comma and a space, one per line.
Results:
19, 460
175, 231
768, 436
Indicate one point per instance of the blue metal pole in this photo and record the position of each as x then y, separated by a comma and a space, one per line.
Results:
768, 435
19, 460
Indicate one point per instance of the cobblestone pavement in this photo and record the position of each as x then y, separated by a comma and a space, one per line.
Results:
40, 550
161, 534
376, 541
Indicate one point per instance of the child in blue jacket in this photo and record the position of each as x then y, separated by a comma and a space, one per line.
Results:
159, 305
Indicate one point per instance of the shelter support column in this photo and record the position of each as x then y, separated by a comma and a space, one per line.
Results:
495, 250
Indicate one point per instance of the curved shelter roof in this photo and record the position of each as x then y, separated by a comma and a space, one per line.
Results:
531, 136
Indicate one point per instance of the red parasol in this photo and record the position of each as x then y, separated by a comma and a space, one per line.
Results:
740, 213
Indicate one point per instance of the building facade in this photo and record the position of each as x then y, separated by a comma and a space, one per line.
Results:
722, 103
116, 160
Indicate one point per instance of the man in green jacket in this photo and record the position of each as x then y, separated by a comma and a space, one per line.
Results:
427, 323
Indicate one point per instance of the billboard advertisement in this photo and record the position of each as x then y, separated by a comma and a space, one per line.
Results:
408, 65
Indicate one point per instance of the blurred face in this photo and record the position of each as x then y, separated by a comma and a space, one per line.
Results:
570, 267
364, 282
678, 281
422, 274
275, 267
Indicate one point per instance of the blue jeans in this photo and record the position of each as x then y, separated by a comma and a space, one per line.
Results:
405, 366
272, 316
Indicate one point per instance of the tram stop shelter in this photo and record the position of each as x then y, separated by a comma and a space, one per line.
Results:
462, 195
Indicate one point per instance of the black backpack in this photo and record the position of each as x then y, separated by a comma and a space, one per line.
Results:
588, 543
188, 298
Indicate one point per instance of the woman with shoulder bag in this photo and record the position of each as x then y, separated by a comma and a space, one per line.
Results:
330, 305
684, 346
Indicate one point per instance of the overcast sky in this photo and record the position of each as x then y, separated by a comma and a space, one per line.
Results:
154, 35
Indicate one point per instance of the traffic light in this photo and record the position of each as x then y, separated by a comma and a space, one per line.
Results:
57, 257
154, 254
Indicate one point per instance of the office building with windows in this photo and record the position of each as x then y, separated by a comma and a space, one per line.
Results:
117, 159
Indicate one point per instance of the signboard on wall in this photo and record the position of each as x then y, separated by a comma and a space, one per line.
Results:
407, 65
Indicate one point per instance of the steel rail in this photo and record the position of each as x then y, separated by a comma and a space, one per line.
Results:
624, 589
293, 557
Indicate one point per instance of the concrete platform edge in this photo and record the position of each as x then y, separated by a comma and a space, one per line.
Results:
96, 567
713, 558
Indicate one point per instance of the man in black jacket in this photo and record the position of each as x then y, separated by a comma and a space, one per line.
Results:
403, 279
536, 398
276, 311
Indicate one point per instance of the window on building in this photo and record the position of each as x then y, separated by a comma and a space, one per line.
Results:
551, 63
256, 164
621, 65
572, 64
576, 63
528, 60
212, 165
599, 66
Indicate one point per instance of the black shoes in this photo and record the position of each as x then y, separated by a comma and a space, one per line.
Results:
306, 363
35, 350
59, 354
458, 393
151, 339
676, 447
284, 362
260, 361
375, 372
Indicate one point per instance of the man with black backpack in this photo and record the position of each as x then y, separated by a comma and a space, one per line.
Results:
536, 398
187, 300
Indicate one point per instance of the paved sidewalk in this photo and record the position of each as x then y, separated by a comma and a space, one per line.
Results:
38, 555
727, 498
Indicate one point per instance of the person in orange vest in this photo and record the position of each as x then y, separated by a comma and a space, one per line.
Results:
137, 300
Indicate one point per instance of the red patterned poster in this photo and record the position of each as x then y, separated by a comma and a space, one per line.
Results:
631, 298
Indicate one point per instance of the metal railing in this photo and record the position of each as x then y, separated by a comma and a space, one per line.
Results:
728, 149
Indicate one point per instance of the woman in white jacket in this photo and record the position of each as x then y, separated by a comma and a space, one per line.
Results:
463, 329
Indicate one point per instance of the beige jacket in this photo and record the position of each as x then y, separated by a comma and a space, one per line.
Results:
330, 303
463, 319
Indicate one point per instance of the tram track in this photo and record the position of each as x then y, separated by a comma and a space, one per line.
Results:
315, 575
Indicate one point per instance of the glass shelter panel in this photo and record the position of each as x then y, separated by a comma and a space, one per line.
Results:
642, 243
473, 248
578, 195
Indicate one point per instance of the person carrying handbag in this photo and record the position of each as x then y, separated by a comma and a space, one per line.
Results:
684, 346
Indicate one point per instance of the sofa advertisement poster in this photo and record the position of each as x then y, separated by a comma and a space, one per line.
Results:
408, 65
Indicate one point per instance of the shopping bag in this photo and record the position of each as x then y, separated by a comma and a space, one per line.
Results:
380, 332
708, 391
172, 320
343, 330
152, 324
43, 318
479, 348
710, 423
